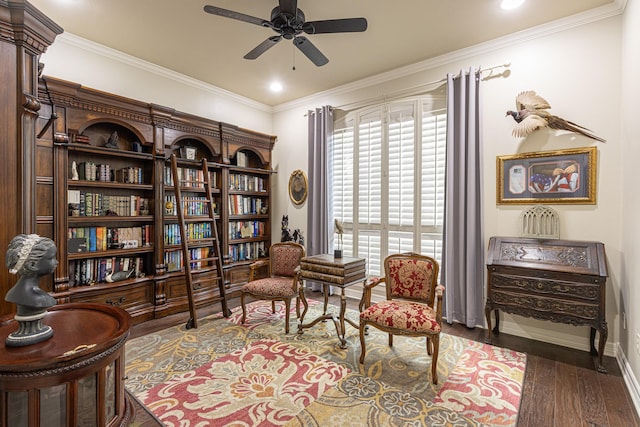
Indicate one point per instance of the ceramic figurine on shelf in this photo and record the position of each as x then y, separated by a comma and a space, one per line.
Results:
74, 171
298, 237
112, 142
286, 231
337, 253
30, 256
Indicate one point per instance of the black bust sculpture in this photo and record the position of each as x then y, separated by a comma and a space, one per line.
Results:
31, 257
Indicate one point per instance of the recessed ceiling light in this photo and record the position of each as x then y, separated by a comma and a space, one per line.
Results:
511, 4
276, 87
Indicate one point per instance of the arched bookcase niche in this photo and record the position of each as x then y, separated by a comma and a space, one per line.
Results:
249, 158
112, 134
203, 149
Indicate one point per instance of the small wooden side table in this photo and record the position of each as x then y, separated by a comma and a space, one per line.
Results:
330, 271
75, 378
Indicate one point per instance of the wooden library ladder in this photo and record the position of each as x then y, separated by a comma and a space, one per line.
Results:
213, 257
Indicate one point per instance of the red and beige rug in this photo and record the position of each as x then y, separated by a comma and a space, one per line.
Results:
227, 374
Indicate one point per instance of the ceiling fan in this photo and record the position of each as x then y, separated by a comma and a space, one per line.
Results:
289, 22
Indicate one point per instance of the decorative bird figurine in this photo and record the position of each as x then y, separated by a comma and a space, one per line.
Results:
116, 277
532, 114
339, 229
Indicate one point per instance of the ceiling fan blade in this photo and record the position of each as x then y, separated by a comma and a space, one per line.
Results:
214, 10
289, 7
347, 25
263, 47
310, 51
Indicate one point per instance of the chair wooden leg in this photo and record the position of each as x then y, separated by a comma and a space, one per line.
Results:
390, 340
273, 306
429, 346
287, 308
305, 304
363, 347
244, 309
435, 341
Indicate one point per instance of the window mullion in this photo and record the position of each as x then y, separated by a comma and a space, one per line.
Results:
417, 177
384, 231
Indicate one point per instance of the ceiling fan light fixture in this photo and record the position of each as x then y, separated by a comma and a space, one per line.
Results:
511, 4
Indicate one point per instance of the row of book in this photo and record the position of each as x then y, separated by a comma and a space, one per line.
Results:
90, 171
191, 206
195, 231
189, 177
247, 251
83, 203
243, 205
87, 272
246, 229
174, 259
242, 182
105, 238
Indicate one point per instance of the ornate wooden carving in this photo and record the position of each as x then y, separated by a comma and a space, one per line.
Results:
558, 280
25, 33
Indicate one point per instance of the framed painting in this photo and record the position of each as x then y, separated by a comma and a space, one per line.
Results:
562, 176
298, 187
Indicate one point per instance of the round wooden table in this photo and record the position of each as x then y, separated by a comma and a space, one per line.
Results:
75, 378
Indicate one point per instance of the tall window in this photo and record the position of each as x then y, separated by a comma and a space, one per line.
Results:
388, 179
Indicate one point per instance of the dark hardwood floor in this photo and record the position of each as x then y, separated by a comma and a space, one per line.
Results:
561, 386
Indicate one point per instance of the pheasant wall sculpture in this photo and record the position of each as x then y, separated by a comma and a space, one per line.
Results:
532, 114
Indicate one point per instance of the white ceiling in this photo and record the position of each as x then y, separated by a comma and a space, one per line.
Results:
180, 36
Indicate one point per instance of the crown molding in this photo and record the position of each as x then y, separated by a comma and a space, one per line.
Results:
116, 55
603, 12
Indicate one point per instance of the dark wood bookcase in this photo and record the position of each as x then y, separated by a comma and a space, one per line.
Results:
116, 194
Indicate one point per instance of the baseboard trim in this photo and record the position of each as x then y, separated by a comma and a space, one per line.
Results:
629, 378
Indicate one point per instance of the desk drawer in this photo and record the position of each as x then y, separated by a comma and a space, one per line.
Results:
543, 287
546, 308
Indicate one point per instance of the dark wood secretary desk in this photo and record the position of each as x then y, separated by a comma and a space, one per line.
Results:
562, 281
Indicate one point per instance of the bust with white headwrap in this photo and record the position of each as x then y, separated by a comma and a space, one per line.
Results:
30, 256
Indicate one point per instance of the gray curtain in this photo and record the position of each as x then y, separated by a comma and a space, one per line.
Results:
319, 210
463, 247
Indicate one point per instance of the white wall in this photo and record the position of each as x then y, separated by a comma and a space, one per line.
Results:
98, 67
629, 293
577, 70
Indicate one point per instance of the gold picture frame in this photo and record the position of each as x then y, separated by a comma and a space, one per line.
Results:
550, 177
298, 187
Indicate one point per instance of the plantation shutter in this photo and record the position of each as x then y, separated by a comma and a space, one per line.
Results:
369, 194
388, 186
434, 126
343, 179
401, 155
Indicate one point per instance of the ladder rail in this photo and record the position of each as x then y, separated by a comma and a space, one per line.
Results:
186, 261
217, 251
214, 240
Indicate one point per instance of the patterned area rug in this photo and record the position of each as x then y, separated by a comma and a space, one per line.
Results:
227, 374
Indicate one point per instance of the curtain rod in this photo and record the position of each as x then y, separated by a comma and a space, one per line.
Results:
396, 94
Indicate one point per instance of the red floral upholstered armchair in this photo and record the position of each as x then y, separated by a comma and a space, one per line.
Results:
282, 282
413, 306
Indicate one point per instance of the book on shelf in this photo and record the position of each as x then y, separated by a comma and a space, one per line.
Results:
241, 159
80, 139
73, 200
103, 172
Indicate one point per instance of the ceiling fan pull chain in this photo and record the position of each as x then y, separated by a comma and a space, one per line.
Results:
293, 52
